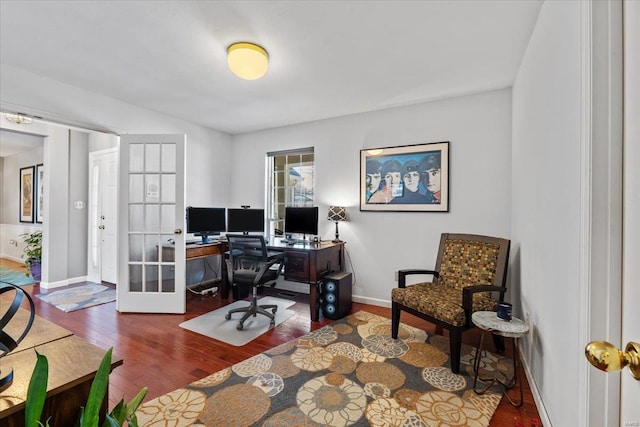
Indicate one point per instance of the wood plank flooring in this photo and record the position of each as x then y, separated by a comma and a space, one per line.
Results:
160, 355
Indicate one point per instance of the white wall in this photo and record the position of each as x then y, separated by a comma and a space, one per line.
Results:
10, 190
546, 205
566, 206
379, 243
10, 226
207, 150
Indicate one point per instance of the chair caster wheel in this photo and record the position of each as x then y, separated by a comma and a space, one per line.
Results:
272, 324
227, 316
239, 327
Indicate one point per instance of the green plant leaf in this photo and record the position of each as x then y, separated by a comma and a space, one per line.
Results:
134, 403
97, 392
37, 392
119, 413
111, 422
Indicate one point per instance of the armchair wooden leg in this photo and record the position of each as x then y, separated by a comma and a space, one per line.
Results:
455, 347
395, 320
498, 341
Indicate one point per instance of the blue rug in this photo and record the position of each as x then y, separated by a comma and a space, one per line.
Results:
79, 297
14, 277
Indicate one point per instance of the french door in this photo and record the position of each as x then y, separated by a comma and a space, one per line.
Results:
151, 212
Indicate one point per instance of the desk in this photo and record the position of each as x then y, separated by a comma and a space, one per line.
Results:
309, 263
306, 263
199, 250
73, 363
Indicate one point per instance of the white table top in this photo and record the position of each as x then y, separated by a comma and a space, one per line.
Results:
489, 321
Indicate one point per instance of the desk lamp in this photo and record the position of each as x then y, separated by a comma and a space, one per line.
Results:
337, 213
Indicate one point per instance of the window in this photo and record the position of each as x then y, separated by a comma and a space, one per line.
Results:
290, 183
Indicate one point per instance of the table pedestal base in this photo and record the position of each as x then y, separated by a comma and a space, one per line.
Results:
505, 386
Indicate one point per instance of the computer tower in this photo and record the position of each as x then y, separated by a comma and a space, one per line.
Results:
335, 292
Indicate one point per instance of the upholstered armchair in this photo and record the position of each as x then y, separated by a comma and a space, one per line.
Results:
470, 275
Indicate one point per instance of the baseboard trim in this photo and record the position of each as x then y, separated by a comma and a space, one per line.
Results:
12, 258
371, 301
537, 398
61, 283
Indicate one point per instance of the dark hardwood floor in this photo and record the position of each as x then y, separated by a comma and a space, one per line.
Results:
160, 355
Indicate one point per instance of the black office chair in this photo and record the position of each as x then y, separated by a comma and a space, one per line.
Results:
249, 263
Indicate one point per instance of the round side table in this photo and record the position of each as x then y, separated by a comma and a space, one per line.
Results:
488, 321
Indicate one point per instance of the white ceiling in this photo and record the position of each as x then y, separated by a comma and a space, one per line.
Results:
14, 142
327, 58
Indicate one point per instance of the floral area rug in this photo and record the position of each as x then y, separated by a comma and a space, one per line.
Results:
79, 297
350, 372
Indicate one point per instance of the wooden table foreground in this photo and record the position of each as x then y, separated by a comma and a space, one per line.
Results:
73, 363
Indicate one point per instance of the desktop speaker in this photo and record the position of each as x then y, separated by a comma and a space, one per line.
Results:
335, 292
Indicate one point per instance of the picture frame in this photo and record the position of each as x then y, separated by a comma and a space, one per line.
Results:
26, 194
408, 178
39, 193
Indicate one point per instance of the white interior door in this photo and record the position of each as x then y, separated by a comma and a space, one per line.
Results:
103, 216
151, 212
630, 393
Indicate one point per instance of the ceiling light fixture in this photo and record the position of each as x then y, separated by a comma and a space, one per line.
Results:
18, 118
247, 60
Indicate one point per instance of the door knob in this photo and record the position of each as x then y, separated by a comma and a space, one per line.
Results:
606, 357
177, 231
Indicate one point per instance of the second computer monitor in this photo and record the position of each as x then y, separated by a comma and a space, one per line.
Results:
245, 220
301, 220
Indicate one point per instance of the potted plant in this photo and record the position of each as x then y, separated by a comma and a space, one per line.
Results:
123, 414
32, 253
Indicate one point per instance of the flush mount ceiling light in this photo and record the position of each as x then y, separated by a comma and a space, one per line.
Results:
18, 118
247, 60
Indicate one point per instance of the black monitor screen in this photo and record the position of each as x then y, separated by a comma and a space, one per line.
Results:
301, 220
245, 220
206, 221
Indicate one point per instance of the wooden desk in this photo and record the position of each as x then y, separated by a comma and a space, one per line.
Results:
197, 251
309, 263
73, 363
306, 263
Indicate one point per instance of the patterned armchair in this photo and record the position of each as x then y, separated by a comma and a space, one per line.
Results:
469, 269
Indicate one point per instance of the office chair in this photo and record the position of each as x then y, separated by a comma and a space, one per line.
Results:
249, 263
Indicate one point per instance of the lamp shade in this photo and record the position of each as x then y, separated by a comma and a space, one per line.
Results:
247, 60
337, 213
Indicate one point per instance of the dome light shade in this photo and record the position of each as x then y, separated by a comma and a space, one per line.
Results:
247, 60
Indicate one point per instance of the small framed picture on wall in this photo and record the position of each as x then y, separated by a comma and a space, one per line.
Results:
26, 194
39, 193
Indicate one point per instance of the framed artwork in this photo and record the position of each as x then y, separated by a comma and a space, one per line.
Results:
409, 178
39, 193
26, 194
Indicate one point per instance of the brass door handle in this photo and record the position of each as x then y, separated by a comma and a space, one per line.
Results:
606, 357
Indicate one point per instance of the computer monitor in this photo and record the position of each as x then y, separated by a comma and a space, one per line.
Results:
205, 222
245, 220
301, 220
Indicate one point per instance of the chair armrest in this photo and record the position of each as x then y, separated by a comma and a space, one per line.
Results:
266, 265
402, 275
467, 294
